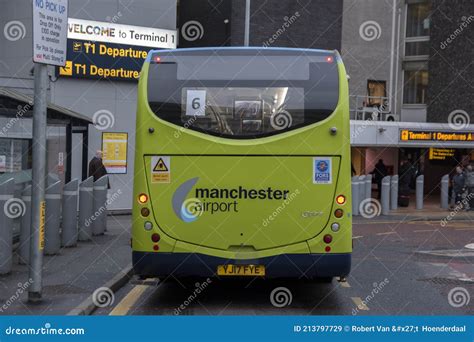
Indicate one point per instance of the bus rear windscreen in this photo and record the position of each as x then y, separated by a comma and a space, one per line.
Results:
243, 93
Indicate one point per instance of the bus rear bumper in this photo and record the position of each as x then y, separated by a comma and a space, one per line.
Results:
181, 265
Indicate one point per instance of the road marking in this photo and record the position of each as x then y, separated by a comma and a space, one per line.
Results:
370, 223
357, 237
360, 304
386, 233
345, 284
470, 246
130, 299
425, 230
464, 228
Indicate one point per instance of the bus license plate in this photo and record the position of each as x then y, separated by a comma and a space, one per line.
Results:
241, 270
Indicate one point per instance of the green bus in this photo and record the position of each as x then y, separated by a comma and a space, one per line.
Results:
242, 164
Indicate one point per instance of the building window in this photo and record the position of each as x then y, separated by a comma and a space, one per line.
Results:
417, 48
416, 84
377, 94
418, 19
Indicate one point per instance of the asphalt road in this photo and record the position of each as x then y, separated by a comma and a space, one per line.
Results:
399, 268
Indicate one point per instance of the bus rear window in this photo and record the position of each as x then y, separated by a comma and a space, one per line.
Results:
243, 93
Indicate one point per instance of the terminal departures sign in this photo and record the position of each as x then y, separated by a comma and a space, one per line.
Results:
111, 51
415, 135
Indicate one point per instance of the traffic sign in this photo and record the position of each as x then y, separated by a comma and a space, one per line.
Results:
50, 31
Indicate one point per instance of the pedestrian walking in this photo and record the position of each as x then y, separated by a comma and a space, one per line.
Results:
380, 171
97, 168
459, 181
470, 186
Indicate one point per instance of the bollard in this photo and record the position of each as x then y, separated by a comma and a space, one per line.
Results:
52, 238
445, 192
368, 186
394, 193
385, 197
361, 188
69, 230
10, 208
86, 200
419, 192
99, 210
355, 196
25, 230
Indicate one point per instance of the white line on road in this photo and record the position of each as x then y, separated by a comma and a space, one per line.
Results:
386, 233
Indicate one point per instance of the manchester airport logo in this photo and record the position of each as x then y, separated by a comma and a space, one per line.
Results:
187, 210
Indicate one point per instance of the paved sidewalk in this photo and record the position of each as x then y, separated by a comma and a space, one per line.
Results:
71, 276
430, 212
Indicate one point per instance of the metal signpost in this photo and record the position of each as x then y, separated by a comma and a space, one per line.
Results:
247, 23
49, 48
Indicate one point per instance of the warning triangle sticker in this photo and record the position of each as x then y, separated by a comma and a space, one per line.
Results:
160, 166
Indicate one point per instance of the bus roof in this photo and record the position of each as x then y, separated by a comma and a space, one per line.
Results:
329, 52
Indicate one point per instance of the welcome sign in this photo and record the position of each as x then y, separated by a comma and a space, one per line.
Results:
103, 50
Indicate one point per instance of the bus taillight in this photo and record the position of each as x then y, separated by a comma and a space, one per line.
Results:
327, 238
338, 213
329, 59
341, 199
142, 198
155, 237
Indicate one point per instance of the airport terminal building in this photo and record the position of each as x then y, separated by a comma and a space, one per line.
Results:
399, 109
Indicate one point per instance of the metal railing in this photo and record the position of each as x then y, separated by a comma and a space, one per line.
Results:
375, 108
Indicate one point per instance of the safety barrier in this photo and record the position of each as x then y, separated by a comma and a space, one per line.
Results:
99, 209
52, 237
445, 192
86, 202
385, 195
419, 191
394, 193
24, 247
9, 209
355, 196
64, 224
69, 232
